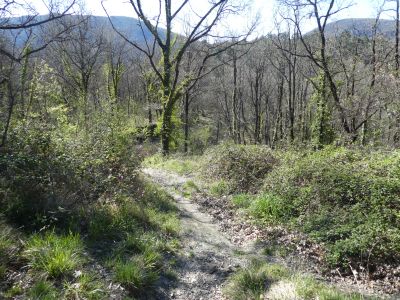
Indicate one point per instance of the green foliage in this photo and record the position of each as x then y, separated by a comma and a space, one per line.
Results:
138, 272
7, 246
201, 136
308, 288
219, 188
242, 200
54, 254
88, 286
138, 231
48, 169
117, 220
242, 167
261, 280
253, 281
43, 290
180, 165
322, 132
76, 173
269, 208
344, 198
189, 187
13, 291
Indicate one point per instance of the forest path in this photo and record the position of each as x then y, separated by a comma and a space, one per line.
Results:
215, 244
208, 255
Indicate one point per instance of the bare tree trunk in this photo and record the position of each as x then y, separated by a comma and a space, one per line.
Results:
278, 131
11, 104
186, 121
235, 114
397, 55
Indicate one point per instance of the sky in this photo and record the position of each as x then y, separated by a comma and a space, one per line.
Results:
263, 8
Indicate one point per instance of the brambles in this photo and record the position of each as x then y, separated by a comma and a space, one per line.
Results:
242, 167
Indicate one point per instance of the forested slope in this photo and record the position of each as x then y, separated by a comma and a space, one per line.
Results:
295, 132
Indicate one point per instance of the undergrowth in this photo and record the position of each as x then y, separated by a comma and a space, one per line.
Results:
75, 209
345, 199
237, 168
182, 165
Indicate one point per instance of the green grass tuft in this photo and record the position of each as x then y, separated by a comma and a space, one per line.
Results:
56, 255
43, 290
219, 188
261, 280
136, 273
308, 289
253, 281
242, 200
87, 286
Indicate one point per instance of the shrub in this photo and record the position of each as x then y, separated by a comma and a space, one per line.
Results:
180, 165
46, 168
243, 167
344, 198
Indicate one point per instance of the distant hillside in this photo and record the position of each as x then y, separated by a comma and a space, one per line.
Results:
126, 25
361, 27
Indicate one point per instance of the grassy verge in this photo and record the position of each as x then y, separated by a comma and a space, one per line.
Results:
260, 280
77, 221
346, 200
180, 164
132, 239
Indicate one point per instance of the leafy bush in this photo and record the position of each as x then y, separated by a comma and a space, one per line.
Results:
346, 199
46, 172
243, 167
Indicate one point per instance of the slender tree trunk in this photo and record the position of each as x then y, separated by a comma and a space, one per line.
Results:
267, 138
186, 122
235, 116
397, 55
11, 104
278, 131
218, 130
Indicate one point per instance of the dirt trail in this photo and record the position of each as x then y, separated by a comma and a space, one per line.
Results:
215, 245
209, 255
